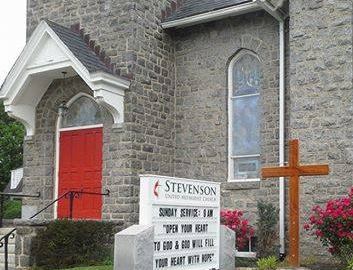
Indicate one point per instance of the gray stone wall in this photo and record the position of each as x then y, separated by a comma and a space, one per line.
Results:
202, 56
321, 100
23, 244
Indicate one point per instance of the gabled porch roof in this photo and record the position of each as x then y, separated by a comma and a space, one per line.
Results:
51, 50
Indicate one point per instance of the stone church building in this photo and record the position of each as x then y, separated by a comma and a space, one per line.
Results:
205, 89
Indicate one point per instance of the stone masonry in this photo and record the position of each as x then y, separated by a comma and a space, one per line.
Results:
176, 107
321, 99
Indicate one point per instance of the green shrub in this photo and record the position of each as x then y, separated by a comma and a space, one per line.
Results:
245, 262
11, 142
267, 233
309, 261
12, 209
67, 244
268, 263
350, 264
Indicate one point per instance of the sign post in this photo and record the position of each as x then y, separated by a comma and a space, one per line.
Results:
186, 218
293, 171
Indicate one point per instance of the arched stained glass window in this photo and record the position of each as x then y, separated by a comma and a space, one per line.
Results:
244, 117
82, 112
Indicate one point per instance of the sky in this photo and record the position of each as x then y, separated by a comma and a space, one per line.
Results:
12, 33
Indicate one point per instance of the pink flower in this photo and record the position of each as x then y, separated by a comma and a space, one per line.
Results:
235, 221
333, 224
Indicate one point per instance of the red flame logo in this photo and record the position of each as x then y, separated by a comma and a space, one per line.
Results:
155, 189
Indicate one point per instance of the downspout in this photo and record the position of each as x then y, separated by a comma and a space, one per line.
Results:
282, 204
280, 17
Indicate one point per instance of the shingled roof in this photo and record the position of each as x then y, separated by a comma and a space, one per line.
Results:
190, 8
86, 51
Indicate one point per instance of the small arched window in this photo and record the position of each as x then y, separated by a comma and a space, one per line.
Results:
244, 117
82, 112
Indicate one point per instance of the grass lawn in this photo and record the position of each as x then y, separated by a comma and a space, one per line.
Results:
103, 267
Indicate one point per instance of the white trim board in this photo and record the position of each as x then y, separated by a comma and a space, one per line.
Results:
81, 127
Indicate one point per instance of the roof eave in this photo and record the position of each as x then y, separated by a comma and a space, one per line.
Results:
213, 15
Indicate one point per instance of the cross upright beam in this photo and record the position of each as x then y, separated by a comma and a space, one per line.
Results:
294, 170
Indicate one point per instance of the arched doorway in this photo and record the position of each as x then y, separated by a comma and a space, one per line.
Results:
80, 138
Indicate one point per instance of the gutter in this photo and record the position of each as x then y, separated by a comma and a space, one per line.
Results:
213, 15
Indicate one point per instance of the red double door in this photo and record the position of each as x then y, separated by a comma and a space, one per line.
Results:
80, 169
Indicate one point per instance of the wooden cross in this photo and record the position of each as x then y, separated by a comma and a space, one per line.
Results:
294, 170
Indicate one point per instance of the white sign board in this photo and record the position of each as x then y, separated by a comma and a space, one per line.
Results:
16, 177
186, 217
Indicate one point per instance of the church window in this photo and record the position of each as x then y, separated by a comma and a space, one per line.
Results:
244, 117
82, 112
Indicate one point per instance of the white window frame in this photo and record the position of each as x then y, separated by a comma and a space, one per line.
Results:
231, 158
245, 254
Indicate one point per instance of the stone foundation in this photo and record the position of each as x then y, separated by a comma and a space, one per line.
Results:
23, 244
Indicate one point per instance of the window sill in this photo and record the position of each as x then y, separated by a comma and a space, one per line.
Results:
245, 254
241, 184
244, 180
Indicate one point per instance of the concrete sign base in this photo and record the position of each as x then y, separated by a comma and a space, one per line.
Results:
134, 248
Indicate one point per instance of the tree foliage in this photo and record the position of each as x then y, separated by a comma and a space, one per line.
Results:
11, 146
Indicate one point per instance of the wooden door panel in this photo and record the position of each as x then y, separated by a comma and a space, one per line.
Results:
80, 169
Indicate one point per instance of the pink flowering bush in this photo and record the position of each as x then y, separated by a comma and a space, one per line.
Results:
333, 225
235, 221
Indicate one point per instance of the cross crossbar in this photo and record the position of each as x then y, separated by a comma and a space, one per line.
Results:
286, 171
